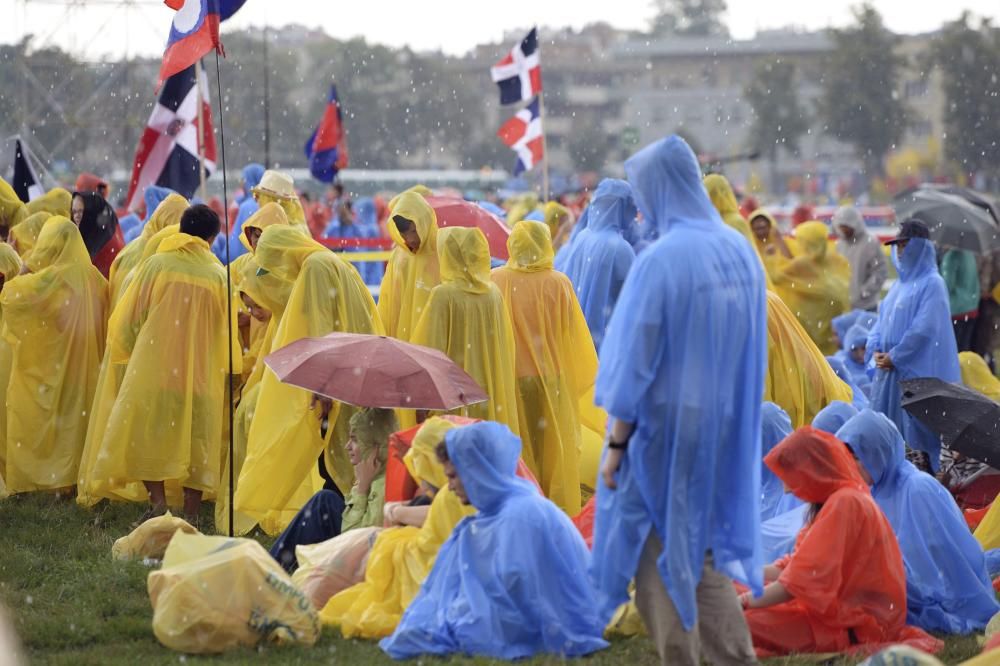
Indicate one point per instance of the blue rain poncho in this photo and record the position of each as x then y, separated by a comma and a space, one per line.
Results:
832, 418
511, 581
947, 589
252, 173
598, 261
775, 426
684, 360
858, 397
856, 338
914, 327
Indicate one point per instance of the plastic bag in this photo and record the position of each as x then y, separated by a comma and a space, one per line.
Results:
214, 593
151, 538
333, 565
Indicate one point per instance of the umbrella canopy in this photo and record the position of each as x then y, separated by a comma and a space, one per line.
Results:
952, 220
975, 198
967, 421
455, 212
375, 371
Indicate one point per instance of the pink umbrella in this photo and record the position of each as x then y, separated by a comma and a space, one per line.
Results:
375, 371
455, 212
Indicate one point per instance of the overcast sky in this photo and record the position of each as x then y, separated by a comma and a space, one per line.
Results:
97, 28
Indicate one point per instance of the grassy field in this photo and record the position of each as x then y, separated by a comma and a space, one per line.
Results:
72, 604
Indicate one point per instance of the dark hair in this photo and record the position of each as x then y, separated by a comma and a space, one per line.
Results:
442, 452
201, 221
814, 510
402, 223
338, 187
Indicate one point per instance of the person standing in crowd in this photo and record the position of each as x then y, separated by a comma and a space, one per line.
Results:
682, 378
912, 337
252, 174
98, 225
961, 276
863, 252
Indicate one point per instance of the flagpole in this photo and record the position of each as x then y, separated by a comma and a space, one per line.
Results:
267, 104
545, 148
201, 129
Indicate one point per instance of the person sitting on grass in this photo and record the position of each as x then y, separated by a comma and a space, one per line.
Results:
328, 514
511, 581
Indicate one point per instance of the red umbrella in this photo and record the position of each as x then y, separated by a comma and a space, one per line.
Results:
455, 212
375, 371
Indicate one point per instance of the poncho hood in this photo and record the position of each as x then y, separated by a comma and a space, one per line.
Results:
464, 257
877, 444
530, 247
485, 456
814, 465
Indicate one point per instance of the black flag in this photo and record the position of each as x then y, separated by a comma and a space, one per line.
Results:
26, 183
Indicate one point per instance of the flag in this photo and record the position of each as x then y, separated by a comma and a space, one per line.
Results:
327, 147
167, 154
519, 74
26, 182
193, 33
523, 133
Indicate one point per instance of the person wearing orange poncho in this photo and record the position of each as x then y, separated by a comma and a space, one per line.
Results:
555, 362
286, 438
843, 588
814, 285
466, 318
54, 321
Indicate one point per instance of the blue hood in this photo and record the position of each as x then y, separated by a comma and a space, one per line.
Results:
832, 417
775, 425
842, 323
154, 196
856, 338
612, 207
366, 215
667, 184
485, 456
877, 444
252, 173
919, 259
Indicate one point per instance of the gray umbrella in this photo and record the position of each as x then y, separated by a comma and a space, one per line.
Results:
967, 421
953, 221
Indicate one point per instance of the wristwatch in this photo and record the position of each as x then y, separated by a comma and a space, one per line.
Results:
618, 446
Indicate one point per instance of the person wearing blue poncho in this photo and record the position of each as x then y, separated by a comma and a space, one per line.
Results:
833, 417
131, 225
858, 397
775, 426
511, 580
252, 173
947, 589
682, 377
598, 261
852, 354
913, 336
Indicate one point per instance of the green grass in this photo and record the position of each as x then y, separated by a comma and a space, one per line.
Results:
73, 605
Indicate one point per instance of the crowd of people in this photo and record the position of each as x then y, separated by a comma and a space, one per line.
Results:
692, 416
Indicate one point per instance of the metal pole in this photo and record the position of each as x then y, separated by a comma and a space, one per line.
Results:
267, 104
545, 148
201, 129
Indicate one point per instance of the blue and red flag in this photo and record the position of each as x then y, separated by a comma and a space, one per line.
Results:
194, 32
519, 73
327, 147
525, 136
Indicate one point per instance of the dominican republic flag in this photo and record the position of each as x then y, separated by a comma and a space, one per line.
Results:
26, 182
167, 153
327, 147
523, 134
519, 74
193, 33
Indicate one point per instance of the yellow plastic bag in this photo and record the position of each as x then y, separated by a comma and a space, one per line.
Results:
151, 538
213, 594
333, 565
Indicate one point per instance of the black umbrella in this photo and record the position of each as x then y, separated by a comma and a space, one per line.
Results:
967, 421
953, 221
975, 198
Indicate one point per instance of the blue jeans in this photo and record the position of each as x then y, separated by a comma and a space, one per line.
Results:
317, 521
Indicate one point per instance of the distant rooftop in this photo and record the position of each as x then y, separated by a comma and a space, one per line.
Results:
770, 42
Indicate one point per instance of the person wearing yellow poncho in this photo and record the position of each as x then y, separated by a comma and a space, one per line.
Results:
466, 319
555, 362
277, 187
559, 221
285, 437
24, 236
721, 194
56, 201
799, 378
170, 331
12, 209
166, 214
412, 270
54, 320
814, 285
767, 239
401, 557
10, 267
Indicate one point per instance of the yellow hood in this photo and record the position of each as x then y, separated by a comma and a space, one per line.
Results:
266, 216
421, 190
59, 244
26, 233
267, 290
812, 239
12, 210
721, 193
168, 213
530, 247
464, 256
282, 250
555, 215
180, 240
10, 263
54, 202
415, 208
421, 460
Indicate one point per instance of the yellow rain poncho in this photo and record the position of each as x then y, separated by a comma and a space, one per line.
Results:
10, 267
284, 440
721, 194
56, 201
409, 276
166, 214
401, 557
519, 207
466, 318
770, 251
169, 331
557, 217
24, 236
977, 375
268, 215
813, 285
12, 210
555, 362
799, 378
54, 320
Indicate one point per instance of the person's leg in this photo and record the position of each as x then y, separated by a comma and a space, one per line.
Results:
157, 496
725, 638
675, 646
317, 521
192, 507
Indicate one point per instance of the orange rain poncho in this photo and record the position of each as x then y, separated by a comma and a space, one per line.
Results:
401, 557
846, 573
167, 342
284, 439
814, 284
799, 378
56, 201
166, 214
10, 267
409, 276
466, 318
555, 362
54, 320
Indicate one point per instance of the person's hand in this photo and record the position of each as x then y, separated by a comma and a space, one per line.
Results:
883, 361
365, 472
243, 320
745, 600
388, 513
612, 461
